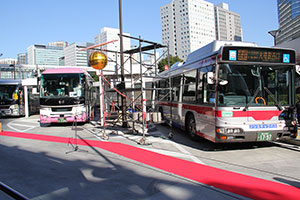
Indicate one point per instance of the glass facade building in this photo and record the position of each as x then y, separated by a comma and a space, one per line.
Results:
289, 20
75, 57
44, 55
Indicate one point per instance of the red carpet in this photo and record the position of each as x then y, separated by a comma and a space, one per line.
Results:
243, 185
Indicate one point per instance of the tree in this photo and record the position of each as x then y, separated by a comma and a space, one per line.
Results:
164, 62
94, 76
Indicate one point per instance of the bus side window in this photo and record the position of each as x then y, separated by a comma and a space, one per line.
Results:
175, 88
200, 87
163, 92
209, 94
189, 87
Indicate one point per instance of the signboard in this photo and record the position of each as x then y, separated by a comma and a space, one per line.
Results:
258, 54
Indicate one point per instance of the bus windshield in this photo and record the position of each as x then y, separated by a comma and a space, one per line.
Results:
254, 85
61, 85
7, 92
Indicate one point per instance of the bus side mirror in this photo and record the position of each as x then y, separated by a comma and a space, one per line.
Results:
297, 69
210, 78
223, 82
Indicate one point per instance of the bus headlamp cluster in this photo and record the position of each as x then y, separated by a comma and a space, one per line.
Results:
229, 130
15, 106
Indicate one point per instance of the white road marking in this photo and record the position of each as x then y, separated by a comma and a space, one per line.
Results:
175, 154
182, 154
179, 147
12, 125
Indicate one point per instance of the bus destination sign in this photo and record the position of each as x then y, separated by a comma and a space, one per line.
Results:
254, 54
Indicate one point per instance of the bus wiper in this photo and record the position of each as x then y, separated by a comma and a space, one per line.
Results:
255, 94
272, 96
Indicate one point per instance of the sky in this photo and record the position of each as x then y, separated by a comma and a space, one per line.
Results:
24, 23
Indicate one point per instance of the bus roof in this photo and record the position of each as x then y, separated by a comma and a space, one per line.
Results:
64, 71
213, 48
10, 81
206, 51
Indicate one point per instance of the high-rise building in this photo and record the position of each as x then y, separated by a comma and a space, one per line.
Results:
21, 58
228, 23
44, 55
75, 57
187, 25
62, 44
289, 20
107, 35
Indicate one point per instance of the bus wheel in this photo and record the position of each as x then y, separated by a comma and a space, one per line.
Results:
191, 127
162, 114
44, 124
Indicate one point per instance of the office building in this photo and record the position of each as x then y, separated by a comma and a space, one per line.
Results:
289, 20
109, 34
21, 59
187, 25
10, 61
74, 57
228, 23
62, 44
44, 55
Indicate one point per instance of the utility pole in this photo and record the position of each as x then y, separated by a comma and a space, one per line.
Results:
122, 86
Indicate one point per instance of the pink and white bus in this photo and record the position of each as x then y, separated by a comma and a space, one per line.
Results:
66, 96
230, 92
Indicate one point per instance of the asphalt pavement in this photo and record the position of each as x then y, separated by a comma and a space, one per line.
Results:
52, 170
67, 162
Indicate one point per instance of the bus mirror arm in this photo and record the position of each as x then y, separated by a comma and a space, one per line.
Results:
252, 99
276, 102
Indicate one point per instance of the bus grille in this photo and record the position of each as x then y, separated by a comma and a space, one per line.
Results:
62, 109
4, 107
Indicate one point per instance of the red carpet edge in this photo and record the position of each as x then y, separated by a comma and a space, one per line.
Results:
247, 186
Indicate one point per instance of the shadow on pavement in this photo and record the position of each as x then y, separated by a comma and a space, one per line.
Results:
94, 175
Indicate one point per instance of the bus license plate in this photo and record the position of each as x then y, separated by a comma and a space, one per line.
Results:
264, 136
61, 120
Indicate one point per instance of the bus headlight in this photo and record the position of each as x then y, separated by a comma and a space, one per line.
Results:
79, 110
45, 112
13, 107
223, 130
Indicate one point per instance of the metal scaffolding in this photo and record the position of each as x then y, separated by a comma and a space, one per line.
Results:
139, 89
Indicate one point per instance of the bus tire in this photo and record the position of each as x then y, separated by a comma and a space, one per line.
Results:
44, 124
190, 125
162, 115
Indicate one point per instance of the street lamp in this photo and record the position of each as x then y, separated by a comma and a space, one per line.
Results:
122, 85
275, 33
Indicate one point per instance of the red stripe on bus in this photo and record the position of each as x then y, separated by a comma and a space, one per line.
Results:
257, 115
201, 135
201, 109
169, 104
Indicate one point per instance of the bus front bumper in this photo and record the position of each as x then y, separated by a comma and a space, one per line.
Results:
63, 118
9, 112
257, 136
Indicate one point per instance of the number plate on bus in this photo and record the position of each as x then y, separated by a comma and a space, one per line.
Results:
61, 120
264, 136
